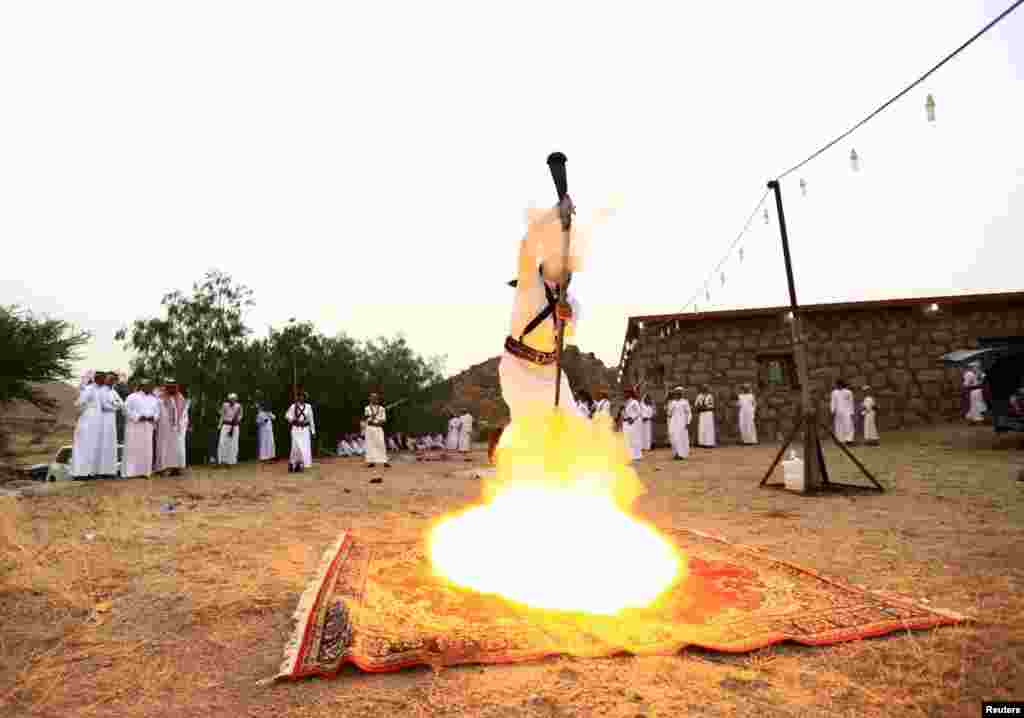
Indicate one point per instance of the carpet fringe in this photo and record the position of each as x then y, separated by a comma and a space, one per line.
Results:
301, 616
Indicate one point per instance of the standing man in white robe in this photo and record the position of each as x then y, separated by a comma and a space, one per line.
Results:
171, 424
465, 432
185, 424
265, 434
705, 408
602, 407
376, 450
85, 445
453, 433
142, 410
633, 424
976, 406
230, 421
300, 418
527, 369
679, 417
842, 408
870, 421
747, 412
647, 412
106, 459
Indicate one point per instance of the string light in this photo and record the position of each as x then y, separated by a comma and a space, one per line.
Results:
803, 186
854, 160
723, 279
741, 254
929, 107
766, 219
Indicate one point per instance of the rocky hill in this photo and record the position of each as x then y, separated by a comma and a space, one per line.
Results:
64, 414
477, 388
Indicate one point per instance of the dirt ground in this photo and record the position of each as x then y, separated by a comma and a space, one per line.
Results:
111, 605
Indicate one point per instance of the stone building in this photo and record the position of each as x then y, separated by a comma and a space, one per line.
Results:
892, 345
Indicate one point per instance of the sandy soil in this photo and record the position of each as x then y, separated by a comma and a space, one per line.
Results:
113, 607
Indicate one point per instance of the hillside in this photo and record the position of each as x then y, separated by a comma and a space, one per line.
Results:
477, 388
65, 412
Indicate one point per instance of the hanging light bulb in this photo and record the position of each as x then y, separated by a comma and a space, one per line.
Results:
803, 186
707, 294
854, 161
766, 219
741, 254
929, 107
723, 279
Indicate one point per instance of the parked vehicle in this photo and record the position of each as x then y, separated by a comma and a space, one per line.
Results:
60, 468
1002, 359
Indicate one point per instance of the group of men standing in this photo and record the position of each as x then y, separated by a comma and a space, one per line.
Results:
155, 430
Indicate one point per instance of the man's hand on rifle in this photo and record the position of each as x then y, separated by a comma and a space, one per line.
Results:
563, 311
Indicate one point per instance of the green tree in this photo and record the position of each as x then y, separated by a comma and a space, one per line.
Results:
36, 350
396, 372
200, 342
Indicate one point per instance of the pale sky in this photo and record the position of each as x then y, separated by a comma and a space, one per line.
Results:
367, 167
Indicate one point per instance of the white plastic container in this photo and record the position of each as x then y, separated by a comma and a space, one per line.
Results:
793, 472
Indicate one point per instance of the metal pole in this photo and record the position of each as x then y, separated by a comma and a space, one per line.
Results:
556, 163
812, 468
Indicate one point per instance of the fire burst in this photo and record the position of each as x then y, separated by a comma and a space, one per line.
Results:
555, 530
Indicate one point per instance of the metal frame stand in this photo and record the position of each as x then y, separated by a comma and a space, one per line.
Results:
815, 470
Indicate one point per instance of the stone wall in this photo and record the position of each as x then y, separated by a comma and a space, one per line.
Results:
894, 349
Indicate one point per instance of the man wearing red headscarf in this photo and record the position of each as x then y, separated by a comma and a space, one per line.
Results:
171, 424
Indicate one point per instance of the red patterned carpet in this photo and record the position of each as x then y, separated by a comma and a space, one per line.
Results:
378, 606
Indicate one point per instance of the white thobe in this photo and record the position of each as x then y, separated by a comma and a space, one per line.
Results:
138, 434
344, 449
870, 425
465, 431
376, 449
842, 408
227, 448
265, 435
169, 430
453, 434
302, 444
633, 427
747, 411
705, 407
106, 450
526, 387
976, 396
85, 446
183, 436
647, 412
679, 417
603, 408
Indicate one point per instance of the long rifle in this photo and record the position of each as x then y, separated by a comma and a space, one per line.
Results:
556, 163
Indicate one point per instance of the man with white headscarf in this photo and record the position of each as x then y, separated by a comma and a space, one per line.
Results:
679, 417
704, 405
265, 433
85, 445
747, 411
527, 368
142, 411
376, 450
230, 420
842, 407
106, 448
973, 381
647, 412
633, 425
465, 432
453, 432
300, 417
868, 413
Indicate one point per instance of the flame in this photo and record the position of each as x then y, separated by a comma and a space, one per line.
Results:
555, 521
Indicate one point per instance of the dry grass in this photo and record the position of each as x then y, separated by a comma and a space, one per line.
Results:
111, 607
